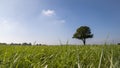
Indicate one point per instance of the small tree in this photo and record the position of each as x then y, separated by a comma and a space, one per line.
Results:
83, 33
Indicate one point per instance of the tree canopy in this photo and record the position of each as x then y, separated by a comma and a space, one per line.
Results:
83, 33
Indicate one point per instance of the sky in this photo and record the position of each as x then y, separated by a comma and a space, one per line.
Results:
55, 21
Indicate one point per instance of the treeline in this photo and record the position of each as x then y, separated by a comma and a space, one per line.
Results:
25, 44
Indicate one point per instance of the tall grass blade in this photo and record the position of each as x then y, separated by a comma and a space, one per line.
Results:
100, 59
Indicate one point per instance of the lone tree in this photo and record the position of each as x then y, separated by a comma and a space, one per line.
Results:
83, 33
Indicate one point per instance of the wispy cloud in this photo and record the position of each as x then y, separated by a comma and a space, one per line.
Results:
59, 21
11, 27
50, 15
62, 21
48, 12
11, 30
6, 25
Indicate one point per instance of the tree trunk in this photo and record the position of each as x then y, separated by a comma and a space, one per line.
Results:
84, 41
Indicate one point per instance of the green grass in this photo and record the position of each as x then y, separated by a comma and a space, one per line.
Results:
60, 56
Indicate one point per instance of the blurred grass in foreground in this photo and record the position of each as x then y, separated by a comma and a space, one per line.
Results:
103, 56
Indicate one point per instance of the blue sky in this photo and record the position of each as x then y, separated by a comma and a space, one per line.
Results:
55, 21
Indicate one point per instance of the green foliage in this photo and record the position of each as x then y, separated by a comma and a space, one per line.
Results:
83, 33
60, 56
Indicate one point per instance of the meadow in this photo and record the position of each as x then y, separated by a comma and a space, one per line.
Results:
65, 56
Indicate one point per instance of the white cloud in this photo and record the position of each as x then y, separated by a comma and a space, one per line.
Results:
48, 12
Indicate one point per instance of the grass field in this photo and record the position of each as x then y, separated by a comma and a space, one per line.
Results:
60, 56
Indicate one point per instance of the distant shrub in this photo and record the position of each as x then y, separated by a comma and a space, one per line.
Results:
15, 44
26, 44
3, 43
118, 43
